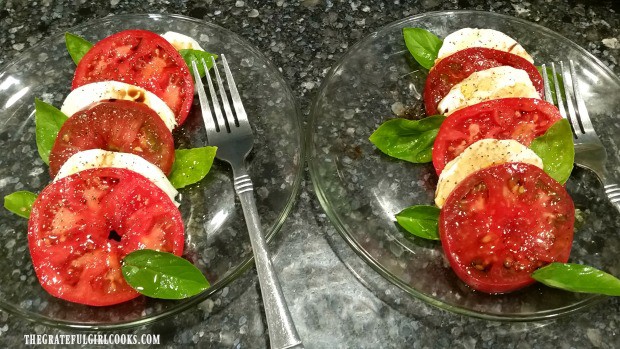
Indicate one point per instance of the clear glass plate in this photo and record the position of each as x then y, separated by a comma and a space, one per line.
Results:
362, 189
216, 236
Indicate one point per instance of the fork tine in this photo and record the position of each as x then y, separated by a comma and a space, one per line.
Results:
557, 88
220, 120
545, 76
242, 117
560, 103
568, 93
582, 116
558, 92
228, 114
207, 116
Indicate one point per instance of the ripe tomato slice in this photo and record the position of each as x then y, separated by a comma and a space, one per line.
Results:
458, 66
502, 223
81, 226
141, 58
521, 119
118, 125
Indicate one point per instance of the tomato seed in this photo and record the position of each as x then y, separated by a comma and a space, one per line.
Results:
480, 264
480, 187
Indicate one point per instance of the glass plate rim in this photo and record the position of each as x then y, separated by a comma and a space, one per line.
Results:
244, 265
359, 250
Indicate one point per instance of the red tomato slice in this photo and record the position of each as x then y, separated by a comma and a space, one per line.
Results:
81, 226
458, 66
502, 223
119, 125
141, 58
521, 119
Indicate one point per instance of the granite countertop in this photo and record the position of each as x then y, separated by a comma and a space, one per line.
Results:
331, 306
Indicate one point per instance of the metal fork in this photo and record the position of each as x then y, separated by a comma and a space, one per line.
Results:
589, 151
232, 134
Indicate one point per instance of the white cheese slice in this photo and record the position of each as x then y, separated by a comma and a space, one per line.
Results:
97, 158
481, 154
474, 37
484, 85
89, 94
181, 41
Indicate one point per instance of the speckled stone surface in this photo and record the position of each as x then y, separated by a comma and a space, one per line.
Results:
331, 306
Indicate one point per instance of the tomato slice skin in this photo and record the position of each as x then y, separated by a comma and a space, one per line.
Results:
458, 66
141, 58
81, 226
502, 223
521, 119
119, 125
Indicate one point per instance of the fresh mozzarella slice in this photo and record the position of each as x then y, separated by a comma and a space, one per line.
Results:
474, 37
481, 154
181, 42
96, 158
493, 83
89, 94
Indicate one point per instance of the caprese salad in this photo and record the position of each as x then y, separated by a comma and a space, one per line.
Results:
115, 172
502, 155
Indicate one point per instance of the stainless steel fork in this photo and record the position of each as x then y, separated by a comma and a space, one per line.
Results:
232, 134
589, 151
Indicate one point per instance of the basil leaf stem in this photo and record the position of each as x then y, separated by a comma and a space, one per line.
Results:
557, 150
191, 165
423, 45
20, 202
48, 121
162, 275
578, 278
408, 140
420, 221
77, 46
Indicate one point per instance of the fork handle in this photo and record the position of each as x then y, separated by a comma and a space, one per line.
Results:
612, 190
282, 332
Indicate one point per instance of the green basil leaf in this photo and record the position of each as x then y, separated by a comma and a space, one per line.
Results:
191, 165
77, 46
48, 121
578, 278
420, 221
197, 55
408, 140
423, 45
162, 275
20, 202
557, 150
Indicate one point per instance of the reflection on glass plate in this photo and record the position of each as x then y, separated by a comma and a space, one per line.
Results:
216, 237
362, 189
